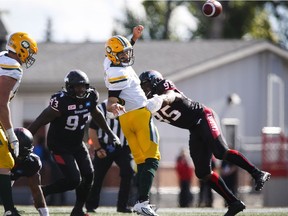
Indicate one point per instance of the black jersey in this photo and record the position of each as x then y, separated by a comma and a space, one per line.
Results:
26, 166
66, 132
183, 112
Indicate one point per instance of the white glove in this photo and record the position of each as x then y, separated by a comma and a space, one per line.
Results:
155, 103
13, 141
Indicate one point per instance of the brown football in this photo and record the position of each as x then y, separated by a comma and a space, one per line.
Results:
212, 8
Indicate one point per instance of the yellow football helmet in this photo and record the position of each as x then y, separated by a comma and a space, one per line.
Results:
120, 51
24, 46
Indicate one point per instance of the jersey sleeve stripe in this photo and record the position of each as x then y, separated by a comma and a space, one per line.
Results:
10, 67
118, 79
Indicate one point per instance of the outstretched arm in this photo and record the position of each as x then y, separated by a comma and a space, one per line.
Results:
158, 101
169, 97
44, 118
137, 32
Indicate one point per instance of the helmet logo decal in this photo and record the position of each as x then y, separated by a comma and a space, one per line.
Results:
108, 49
25, 44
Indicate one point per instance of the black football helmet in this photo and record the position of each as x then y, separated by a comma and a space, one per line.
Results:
149, 80
25, 141
76, 78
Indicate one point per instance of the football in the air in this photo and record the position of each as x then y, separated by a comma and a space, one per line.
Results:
212, 8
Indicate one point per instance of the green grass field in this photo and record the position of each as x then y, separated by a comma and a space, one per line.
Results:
111, 211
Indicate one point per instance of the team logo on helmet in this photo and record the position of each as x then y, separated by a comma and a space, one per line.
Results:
25, 44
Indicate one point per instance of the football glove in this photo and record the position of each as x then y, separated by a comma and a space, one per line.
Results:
13, 142
114, 140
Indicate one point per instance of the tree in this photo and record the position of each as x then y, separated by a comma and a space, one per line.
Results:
240, 19
279, 11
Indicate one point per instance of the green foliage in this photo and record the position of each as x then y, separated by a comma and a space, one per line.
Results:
239, 19
260, 27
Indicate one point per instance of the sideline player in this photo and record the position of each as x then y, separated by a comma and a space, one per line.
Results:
206, 138
67, 114
20, 50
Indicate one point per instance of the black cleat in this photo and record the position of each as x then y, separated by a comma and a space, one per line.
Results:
78, 212
260, 178
235, 207
91, 210
13, 212
124, 210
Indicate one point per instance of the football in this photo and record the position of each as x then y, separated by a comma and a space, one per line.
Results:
212, 8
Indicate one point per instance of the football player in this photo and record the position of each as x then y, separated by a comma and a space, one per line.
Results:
20, 50
28, 164
68, 114
206, 138
127, 100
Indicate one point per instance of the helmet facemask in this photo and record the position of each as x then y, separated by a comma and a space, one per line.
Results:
30, 59
126, 57
149, 81
77, 84
148, 89
77, 90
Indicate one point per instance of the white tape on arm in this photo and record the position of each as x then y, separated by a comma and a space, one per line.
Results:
11, 136
13, 141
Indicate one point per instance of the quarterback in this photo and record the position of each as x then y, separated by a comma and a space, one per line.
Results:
127, 100
205, 140
20, 50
